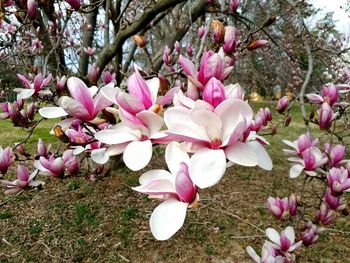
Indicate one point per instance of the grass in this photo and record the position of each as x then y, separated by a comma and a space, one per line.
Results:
74, 220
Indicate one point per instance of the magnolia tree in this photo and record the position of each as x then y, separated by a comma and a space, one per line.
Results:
203, 120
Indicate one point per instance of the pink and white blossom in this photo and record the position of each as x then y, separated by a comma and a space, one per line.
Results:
37, 87
174, 187
6, 159
85, 103
24, 180
284, 241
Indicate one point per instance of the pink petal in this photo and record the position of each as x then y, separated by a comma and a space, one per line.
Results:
80, 92
138, 87
75, 108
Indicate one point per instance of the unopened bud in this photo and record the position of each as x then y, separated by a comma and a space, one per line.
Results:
140, 41
287, 121
218, 29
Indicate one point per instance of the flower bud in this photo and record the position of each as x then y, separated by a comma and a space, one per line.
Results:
201, 31
325, 215
234, 5
218, 30
255, 44
310, 235
32, 9
330, 94
282, 104
177, 46
140, 41
230, 39
326, 116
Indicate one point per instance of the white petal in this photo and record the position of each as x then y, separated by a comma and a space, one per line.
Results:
253, 254
158, 187
167, 219
152, 120
117, 149
273, 235
52, 112
207, 167
264, 160
153, 85
242, 154
154, 175
295, 170
110, 92
99, 156
290, 234
112, 136
137, 154
25, 94
78, 150
174, 155
93, 90
289, 143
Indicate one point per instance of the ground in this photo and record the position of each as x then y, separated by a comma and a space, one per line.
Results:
76, 220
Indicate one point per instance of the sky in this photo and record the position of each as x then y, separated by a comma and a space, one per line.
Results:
341, 18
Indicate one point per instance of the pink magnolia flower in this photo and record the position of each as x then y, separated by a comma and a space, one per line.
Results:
268, 254
143, 95
85, 103
325, 215
43, 149
284, 242
89, 51
335, 153
214, 134
330, 94
230, 40
33, 88
61, 82
338, 180
213, 93
23, 181
261, 119
303, 142
334, 202
6, 159
50, 166
282, 208
326, 116
310, 234
212, 65
282, 104
175, 188
108, 78
312, 159
71, 162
